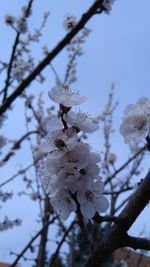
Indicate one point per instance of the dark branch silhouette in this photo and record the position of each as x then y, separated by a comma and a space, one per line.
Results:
59, 47
117, 236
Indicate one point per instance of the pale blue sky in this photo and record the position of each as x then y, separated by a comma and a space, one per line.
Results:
116, 50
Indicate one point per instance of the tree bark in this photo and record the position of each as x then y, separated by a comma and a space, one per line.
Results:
41, 258
117, 236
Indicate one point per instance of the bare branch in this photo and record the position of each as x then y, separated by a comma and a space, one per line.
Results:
117, 236
20, 172
17, 145
138, 243
125, 164
99, 219
136, 203
54, 256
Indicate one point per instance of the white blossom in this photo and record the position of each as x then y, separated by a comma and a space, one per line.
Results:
144, 103
88, 176
90, 172
59, 141
54, 123
68, 174
66, 97
63, 203
91, 199
52, 165
81, 121
136, 122
79, 155
50, 182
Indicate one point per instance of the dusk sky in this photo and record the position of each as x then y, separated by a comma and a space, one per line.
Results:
117, 50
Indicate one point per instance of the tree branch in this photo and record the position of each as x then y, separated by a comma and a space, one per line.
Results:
60, 46
136, 203
17, 145
125, 164
54, 256
21, 171
138, 243
117, 236
16, 42
99, 219
41, 257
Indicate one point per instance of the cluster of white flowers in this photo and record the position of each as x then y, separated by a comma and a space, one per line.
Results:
71, 173
136, 122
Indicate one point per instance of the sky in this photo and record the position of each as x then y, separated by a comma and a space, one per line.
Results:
117, 50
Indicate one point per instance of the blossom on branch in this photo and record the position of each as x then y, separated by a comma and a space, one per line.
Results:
136, 121
71, 172
57, 140
66, 97
81, 121
91, 199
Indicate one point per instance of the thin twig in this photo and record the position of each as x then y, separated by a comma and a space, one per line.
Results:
31, 241
125, 164
20, 172
17, 145
16, 42
54, 256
